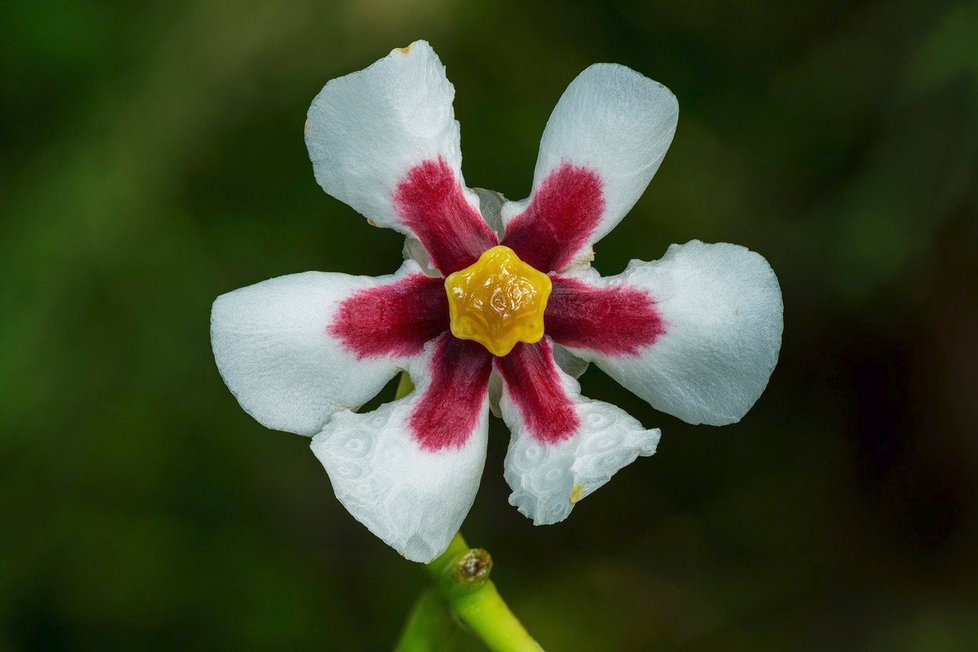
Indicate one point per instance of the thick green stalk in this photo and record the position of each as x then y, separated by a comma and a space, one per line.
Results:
430, 627
462, 574
463, 589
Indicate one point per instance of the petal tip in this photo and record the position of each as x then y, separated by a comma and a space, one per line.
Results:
410, 48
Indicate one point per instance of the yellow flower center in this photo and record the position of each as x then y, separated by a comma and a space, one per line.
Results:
498, 301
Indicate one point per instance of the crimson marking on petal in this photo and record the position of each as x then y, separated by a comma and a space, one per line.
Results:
616, 320
564, 212
533, 383
430, 202
394, 319
452, 405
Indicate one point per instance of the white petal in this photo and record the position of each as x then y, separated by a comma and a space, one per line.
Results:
273, 348
567, 361
490, 205
413, 498
615, 122
549, 478
723, 315
572, 365
367, 129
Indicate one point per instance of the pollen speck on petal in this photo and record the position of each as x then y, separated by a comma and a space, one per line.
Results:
577, 493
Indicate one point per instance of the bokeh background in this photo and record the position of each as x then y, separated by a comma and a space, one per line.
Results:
151, 158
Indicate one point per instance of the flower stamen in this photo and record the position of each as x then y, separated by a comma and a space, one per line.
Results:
498, 301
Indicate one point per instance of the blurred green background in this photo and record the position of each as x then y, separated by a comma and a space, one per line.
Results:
151, 158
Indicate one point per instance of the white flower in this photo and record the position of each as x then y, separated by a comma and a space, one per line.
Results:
696, 333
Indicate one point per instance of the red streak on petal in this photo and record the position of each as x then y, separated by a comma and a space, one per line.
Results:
533, 382
394, 319
430, 202
562, 216
616, 320
451, 407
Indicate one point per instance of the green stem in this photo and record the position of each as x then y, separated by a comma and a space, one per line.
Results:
462, 573
463, 589
430, 627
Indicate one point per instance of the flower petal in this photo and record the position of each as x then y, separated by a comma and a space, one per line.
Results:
717, 337
613, 318
445, 414
410, 469
385, 141
394, 319
551, 467
603, 143
292, 359
569, 363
